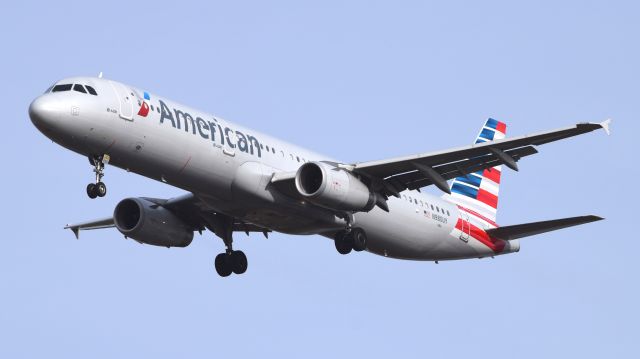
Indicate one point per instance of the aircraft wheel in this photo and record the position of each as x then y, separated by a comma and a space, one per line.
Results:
343, 243
92, 191
223, 265
239, 262
101, 189
359, 239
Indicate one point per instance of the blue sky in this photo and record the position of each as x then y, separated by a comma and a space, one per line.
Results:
356, 81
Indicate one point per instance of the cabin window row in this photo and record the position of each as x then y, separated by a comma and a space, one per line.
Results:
422, 203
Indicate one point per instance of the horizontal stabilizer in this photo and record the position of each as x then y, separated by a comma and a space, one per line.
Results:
530, 229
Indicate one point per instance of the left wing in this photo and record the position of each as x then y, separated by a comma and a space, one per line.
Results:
413, 172
392, 176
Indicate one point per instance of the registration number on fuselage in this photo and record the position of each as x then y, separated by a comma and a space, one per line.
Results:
438, 218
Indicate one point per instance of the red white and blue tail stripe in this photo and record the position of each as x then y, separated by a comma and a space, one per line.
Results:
479, 190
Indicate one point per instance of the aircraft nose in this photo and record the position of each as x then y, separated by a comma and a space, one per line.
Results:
43, 111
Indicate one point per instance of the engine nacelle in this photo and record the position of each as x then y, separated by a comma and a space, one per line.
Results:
333, 188
151, 223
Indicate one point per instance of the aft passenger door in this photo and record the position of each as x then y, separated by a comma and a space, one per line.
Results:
126, 100
466, 227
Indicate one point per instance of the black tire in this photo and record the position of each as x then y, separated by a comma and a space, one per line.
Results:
92, 191
239, 261
223, 265
359, 239
343, 243
101, 189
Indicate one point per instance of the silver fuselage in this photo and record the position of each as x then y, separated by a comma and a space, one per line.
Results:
205, 155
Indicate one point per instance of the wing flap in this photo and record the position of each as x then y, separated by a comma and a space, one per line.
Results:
530, 229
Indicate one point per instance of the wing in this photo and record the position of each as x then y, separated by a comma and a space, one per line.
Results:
413, 172
188, 208
392, 176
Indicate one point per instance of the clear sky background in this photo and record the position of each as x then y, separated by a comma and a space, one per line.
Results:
356, 81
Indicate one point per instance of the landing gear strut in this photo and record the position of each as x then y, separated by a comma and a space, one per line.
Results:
348, 240
98, 189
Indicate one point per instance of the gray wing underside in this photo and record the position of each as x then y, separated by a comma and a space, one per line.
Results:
409, 172
188, 207
392, 176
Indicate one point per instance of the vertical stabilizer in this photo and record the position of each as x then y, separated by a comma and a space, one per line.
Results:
478, 191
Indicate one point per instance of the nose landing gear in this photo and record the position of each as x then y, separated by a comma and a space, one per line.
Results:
98, 189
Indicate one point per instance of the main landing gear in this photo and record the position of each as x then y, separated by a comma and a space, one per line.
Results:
350, 239
230, 261
98, 189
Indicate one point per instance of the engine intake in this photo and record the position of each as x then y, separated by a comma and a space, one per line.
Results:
151, 223
334, 188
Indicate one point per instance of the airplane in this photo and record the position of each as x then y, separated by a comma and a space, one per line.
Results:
240, 180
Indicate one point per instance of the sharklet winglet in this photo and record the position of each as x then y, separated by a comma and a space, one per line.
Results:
605, 126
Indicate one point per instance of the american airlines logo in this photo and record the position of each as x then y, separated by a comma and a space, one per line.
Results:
208, 130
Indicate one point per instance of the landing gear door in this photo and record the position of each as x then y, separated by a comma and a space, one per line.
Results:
466, 227
125, 99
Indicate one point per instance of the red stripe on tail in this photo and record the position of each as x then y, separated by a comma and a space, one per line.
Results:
487, 198
492, 174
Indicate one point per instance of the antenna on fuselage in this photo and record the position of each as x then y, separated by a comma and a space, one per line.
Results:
100, 75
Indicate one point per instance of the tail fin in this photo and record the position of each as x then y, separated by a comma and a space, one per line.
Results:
478, 191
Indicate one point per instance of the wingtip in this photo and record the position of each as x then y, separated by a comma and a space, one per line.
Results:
605, 126
75, 230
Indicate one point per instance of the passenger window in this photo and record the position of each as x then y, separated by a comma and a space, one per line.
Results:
433, 209
437, 209
152, 109
448, 213
268, 148
91, 90
273, 150
298, 158
415, 201
60, 88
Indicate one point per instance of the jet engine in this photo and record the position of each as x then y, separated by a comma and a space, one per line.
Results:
150, 223
334, 188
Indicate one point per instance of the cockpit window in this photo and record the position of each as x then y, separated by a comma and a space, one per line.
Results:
63, 87
79, 88
91, 90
